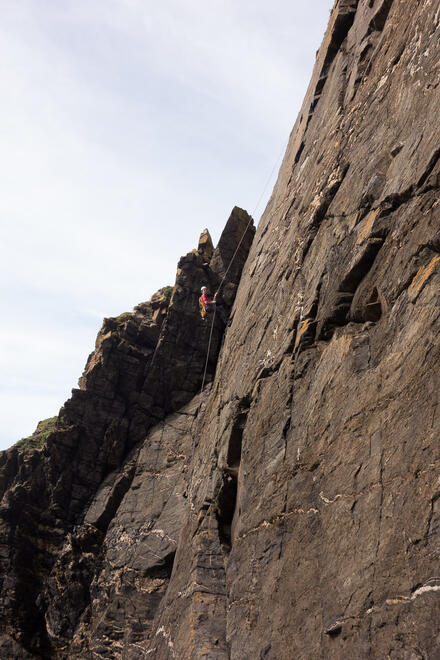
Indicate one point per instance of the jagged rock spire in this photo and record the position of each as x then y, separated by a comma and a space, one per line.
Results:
205, 247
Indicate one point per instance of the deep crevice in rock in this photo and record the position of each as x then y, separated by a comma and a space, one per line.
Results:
338, 316
163, 569
362, 266
299, 152
340, 313
328, 196
226, 504
115, 499
227, 497
379, 19
429, 168
373, 308
341, 27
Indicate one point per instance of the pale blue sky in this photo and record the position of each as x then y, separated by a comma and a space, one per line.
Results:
126, 127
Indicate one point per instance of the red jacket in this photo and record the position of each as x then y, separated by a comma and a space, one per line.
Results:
206, 300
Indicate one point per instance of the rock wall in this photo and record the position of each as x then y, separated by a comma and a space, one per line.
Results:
58, 501
292, 508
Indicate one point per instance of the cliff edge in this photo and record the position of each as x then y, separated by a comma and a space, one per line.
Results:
291, 509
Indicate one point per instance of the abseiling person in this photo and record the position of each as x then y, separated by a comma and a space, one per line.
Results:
210, 305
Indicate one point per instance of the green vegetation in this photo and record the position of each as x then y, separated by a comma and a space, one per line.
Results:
122, 318
39, 436
164, 292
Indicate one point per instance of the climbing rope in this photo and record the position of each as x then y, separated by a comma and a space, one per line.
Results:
232, 259
209, 348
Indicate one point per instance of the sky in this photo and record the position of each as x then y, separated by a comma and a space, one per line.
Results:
127, 127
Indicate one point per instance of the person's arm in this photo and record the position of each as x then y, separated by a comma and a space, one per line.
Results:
207, 300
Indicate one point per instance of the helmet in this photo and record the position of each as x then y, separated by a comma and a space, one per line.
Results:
204, 288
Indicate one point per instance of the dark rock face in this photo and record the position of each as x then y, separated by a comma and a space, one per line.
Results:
291, 509
59, 501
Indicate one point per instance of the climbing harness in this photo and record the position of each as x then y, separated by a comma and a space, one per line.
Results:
202, 308
229, 266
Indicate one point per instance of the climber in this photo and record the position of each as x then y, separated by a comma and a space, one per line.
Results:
208, 305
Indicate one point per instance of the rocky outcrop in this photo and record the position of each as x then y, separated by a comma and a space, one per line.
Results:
59, 500
291, 508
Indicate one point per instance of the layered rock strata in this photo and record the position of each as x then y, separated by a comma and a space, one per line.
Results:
291, 510
59, 500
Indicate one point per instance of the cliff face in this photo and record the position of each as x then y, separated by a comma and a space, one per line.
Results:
60, 501
291, 509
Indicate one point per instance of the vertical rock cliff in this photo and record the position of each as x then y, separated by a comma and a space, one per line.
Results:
61, 493
291, 510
